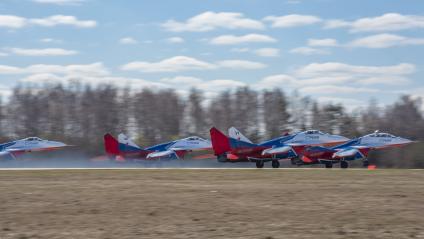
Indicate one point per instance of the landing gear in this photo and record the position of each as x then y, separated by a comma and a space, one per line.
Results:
275, 164
222, 158
328, 165
366, 163
344, 164
260, 164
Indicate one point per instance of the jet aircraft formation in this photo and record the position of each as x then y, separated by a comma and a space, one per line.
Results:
302, 148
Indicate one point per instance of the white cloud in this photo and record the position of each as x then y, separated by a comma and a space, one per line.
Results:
50, 40
63, 20
284, 81
241, 64
276, 81
293, 20
209, 21
385, 40
3, 54
332, 89
322, 42
242, 49
185, 63
232, 39
385, 79
340, 73
6, 70
309, 51
94, 69
173, 64
128, 41
338, 78
336, 23
186, 81
341, 69
10, 21
175, 40
43, 52
220, 85
267, 52
385, 22
60, 2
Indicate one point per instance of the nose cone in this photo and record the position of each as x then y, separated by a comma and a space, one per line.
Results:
404, 141
57, 144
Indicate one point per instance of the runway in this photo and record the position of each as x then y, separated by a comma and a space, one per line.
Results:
155, 169
210, 203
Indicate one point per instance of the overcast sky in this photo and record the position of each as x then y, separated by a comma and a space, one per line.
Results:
332, 50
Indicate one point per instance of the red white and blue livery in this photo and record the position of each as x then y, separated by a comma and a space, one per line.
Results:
237, 148
124, 148
355, 149
11, 150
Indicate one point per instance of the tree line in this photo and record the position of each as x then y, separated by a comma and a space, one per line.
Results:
80, 114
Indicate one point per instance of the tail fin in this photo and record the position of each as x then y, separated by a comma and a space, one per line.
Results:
111, 144
127, 145
220, 142
236, 134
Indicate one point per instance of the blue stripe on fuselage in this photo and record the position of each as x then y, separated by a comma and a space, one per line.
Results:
128, 148
347, 144
280, 141
161, 147
6, 145
236, 144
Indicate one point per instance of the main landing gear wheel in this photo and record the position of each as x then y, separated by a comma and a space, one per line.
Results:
344, 164
328, 165
259, 164
275, 164
366, 164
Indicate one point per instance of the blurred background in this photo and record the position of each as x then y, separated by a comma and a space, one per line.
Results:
80, 114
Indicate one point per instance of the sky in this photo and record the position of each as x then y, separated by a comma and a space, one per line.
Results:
334, 51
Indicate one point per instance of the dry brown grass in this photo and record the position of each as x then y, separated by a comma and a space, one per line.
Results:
212, 204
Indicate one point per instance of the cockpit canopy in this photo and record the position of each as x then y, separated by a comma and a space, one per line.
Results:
33, 139
193, 138
313, 132
382, 135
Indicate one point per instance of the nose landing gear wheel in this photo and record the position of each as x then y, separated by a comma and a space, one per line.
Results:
275, 164
344, 164
259, 164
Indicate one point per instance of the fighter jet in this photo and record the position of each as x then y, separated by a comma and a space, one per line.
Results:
11, 149
237, 148
355, 149
124, 148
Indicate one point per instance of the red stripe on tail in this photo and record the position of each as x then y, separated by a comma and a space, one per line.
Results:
220, 142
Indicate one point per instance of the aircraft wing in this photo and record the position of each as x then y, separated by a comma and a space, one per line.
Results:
351, 152
160, 154
277, 150
6, 155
